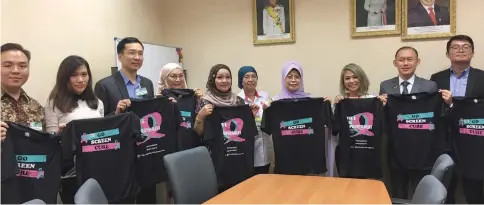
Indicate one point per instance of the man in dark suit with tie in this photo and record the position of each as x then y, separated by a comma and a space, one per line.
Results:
406, 61
427, 13
462, 80
116, 90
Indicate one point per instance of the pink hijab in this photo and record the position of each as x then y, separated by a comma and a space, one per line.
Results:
165, 71
284, 94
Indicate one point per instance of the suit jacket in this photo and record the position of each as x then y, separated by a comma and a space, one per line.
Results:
418, 16
475, 82
112, 89
420, 85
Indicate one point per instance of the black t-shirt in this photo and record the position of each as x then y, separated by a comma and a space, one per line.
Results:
37, 162
467, 131
105, 151
186, 102
160, 120
358, 122
298, 131
416, 131
229, 133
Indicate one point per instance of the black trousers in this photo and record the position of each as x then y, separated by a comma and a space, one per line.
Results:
262, 169
401, 178
147, 195
473, 190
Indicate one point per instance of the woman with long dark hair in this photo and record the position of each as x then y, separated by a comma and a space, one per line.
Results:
71, 98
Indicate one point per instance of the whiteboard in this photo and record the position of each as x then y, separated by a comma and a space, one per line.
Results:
154, 58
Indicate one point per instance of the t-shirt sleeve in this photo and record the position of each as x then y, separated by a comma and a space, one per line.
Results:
136, 127
208, 130
177, 115
9, 164
379, 112
69, 146
265, 121
327, 114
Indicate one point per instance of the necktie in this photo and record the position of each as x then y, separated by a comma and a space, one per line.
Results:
405, 89
432, 15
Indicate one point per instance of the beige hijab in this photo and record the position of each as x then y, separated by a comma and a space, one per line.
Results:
164, 73
213, 95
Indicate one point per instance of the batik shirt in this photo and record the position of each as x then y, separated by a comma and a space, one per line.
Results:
25, 111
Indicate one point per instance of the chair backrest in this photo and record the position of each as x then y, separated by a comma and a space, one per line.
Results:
35, 201
429, 191
90, 193
443, 169
192, 175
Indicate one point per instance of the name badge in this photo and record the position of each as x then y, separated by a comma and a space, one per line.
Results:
36, 126
141, 92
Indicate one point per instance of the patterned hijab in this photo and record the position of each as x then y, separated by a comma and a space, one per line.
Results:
213, 95
164, 73
284, 94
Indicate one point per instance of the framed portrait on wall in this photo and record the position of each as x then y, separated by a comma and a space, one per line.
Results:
375, 17
273, 21
428, 19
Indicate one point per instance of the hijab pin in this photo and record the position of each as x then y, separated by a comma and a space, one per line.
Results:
413, 97
476, 101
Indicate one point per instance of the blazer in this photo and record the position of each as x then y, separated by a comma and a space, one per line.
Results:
418, 16
475, 84
392, 86
112, 89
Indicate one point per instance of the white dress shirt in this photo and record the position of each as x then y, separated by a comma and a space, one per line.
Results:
427, 8
263, 142
411, 80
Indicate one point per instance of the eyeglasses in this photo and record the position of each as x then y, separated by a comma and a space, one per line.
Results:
464, 48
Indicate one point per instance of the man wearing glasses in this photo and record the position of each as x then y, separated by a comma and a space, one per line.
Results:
462, 80
116, 90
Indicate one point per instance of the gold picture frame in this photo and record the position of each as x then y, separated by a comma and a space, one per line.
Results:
270, 22
383, 20
417, 25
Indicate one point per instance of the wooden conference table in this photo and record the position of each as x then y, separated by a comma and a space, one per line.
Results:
295, 189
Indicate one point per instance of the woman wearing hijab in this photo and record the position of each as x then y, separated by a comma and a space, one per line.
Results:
219, 93
248, 83
172, 77
292, 82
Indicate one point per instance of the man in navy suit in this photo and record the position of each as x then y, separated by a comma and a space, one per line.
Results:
427, 13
